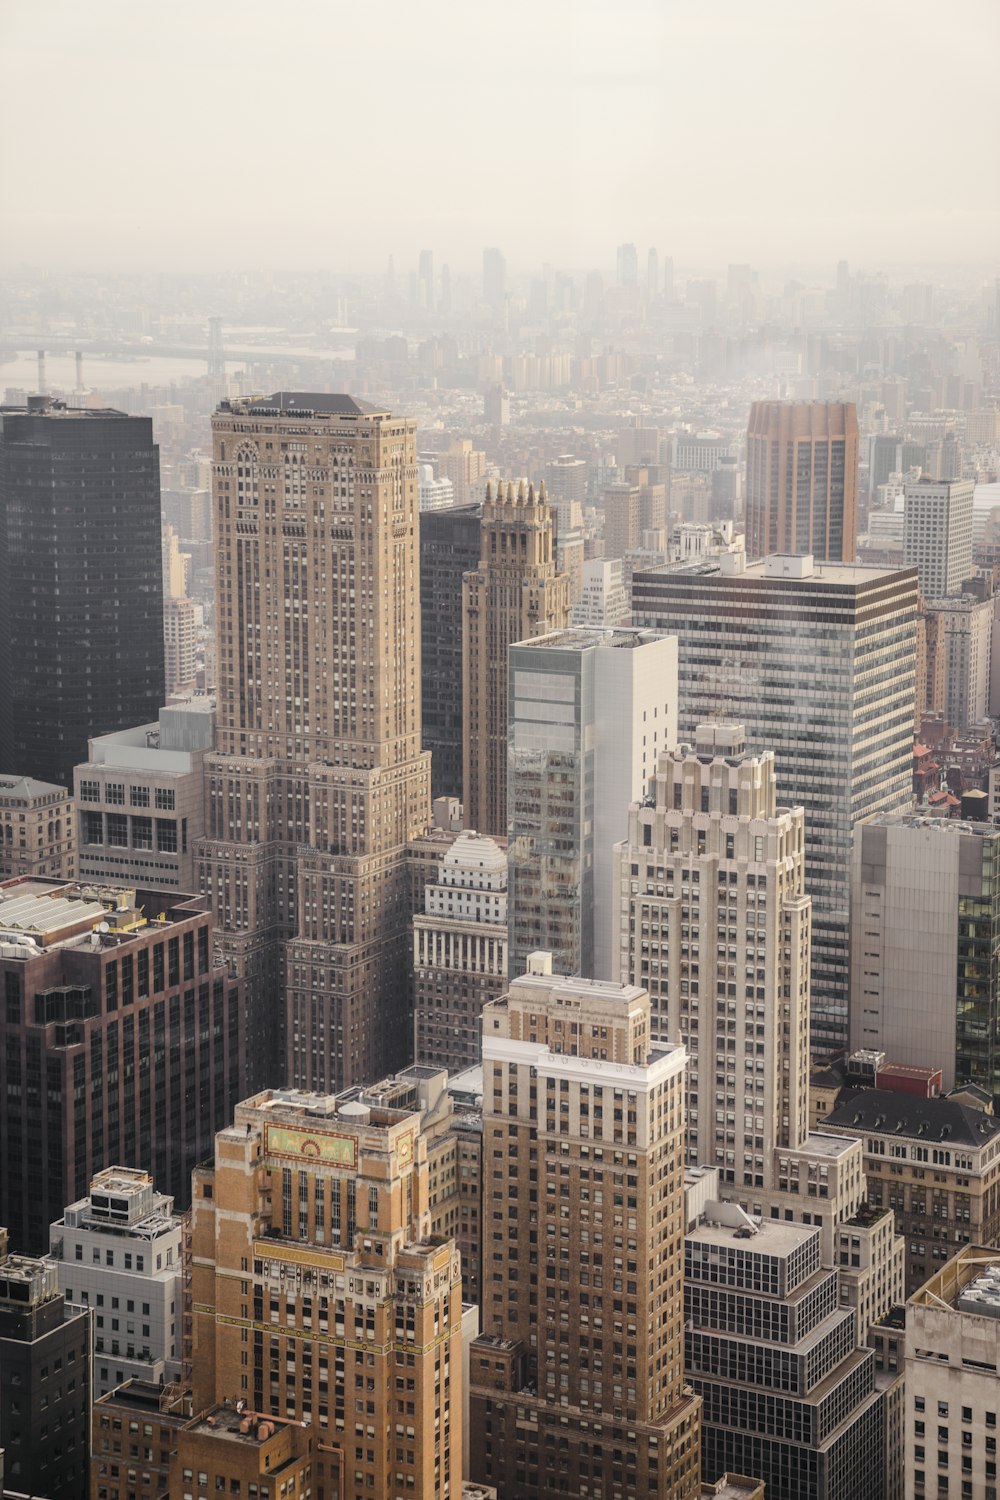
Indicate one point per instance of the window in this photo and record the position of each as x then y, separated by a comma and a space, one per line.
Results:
93, 828
90, 791
138, 796
117, 830
114, 792
164, 799
142, 833
166, 836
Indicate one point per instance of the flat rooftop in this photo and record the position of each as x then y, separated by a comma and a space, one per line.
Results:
589, 637
773, 1237
41, 914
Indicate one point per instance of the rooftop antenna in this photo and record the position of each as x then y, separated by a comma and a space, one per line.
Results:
41, 373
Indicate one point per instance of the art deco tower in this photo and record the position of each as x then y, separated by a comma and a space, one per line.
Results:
514, 594
318, 780
802, 479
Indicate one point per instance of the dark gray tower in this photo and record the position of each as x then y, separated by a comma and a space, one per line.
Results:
81, 591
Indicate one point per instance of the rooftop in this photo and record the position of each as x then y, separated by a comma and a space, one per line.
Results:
773, 1237
589, 637
38, 913
971, 1265
297, 403
885, 1112
27, 789
238, 1422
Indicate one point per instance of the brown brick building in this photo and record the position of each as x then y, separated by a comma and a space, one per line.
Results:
577, 1382
802, 479
120, 1041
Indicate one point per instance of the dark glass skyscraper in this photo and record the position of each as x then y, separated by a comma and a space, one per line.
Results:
449, 547
81, 592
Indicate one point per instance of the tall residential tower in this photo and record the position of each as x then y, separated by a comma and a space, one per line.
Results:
802, 479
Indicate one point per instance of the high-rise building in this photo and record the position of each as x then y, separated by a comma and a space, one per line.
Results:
459, 952
590, 711
622, 524
494, 277
118, 1252
952, 1348
628, 265
318, 779
818, 663
180, 643
314, 1268
37, 828
566, 490
513, 594
965, 641
937, 534
425, 280
925, 945
605, 602
577, 1381
111, 997
44, 1381
81, 594
449, 548
802, 479
786, 1392
710, 852
465, 466
141, 799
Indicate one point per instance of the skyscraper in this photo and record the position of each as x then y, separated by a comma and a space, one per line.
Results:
577, 1381
449, 548
318, 1284
711, 855
494, 278
590, 711
81, 593
513, 594
818, 663
802, 479
937, 534
318, 779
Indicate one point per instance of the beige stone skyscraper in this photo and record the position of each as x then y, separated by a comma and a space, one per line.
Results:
515, 593
577, 1381
318, 779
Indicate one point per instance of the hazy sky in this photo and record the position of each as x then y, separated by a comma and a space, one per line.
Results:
197, 134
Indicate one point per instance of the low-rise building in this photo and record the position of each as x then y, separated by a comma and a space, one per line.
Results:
936, 1162
118, 1251
140, 799
952, 1346
228, 1449
133, 1433
460, 952
37, 828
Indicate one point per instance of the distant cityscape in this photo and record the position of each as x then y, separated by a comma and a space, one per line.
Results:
500, 883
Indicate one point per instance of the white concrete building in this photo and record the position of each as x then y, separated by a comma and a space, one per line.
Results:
140, 799
605, 599
590, 711
434, 494
952, 1391
937, 534
119, 1252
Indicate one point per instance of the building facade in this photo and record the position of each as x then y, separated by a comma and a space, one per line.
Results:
590, 711
966, 628
118, 1252
818, 662
459, 952
577, 1380
605, 602
81, 591
802, 479
320, 1294
45, 1386
37, 828
513, 594
925, 946
935, 1162
937, 534
317, 781
141, 1415
952, 1357
121, 1041
449, 548
140, 799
